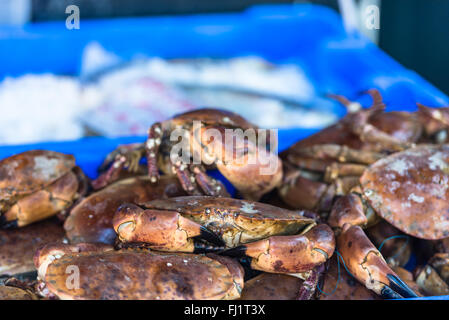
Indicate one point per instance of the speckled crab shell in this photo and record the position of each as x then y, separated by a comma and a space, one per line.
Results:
410, 189
30, 171
144, 275
236, 221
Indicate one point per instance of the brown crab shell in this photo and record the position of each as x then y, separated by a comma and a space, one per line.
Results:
91, 219
145, 275
410, 189
271, 286
13, 293
433, 279
236, 221
17, 246
396, 250
30, 171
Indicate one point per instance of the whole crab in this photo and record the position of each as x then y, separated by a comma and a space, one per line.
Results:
38, 184
408, 189
273, 239
239, 159
105, 273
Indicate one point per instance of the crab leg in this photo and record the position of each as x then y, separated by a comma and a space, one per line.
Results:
111, 174
289, 254
161, 229
337, 152
336, 170
357, 122
186, 178
332, 170
367, 265
151, 149
209, 186
132, 152
347, 209
376, 96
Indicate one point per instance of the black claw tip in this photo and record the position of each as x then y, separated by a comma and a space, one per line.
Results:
4, 224
201, 247
388, 293
400, 287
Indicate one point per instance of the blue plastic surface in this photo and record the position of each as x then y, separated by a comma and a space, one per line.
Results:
309, 35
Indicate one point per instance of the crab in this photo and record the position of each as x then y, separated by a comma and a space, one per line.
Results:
409, 190
14, 293
330, 162
137, 274
38, 184
273, 239
91, 219
17, 246
238, 159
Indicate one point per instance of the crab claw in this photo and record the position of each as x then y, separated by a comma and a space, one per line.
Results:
289, 254
161, 229
366, 264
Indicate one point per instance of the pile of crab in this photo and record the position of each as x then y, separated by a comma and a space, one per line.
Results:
340, 217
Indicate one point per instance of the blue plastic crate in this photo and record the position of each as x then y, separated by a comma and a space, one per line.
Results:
308, 35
